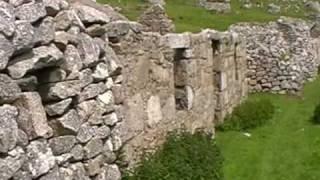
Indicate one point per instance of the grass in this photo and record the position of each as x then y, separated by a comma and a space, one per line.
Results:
188, 16
287, 148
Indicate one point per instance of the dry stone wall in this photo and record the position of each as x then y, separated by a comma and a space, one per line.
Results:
282, 55
58, 114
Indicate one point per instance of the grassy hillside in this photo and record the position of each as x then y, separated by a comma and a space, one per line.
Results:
189, 17
288, 148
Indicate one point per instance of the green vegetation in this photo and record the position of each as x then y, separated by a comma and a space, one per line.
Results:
188, 16
286, 148
250, 114
184, 156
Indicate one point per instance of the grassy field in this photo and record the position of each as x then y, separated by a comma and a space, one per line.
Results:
187, 16
288, 148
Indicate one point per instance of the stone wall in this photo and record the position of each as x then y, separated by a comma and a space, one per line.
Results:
80, 84
282, 55
176, 81
58, 117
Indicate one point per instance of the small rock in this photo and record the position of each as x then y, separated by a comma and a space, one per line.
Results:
10, 165
58, 108
67, 18
62, 39
101, 72
7, 18
31, 12
6, 52
53, 174
111, 119
8, 128
77, 153
40, 158
93, 166
89, 50
60, 90
62, 144
32, 117
45, 31
90, 15
72, 62
23, 38
54, 6
93, 148
9, 90
106, 98
71, 121
109, 172
102, 132
85, 133
91, 91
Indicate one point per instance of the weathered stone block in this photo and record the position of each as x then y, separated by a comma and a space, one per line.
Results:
8, 128
32, 117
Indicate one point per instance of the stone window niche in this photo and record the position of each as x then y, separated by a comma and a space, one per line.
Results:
215, 46
183, 92
236, 62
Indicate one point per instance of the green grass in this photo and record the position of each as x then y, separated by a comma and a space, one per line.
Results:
287, 148
188, 16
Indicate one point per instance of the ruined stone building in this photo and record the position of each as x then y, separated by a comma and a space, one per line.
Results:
80, 86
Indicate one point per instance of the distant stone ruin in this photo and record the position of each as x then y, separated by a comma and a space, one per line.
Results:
219, 6
155, 19
157, 2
